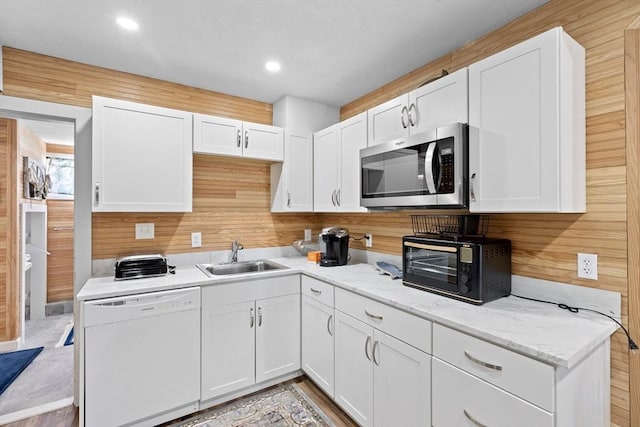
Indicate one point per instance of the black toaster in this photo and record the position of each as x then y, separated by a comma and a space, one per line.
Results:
140, 266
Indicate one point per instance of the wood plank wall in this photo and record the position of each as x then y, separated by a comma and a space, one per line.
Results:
545, 246
231, 196
60, 241
9, 263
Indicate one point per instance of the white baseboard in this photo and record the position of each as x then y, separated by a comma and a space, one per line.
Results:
32, 412
9, 345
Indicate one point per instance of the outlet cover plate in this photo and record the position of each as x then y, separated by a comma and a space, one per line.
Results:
307, 234
588, 266
196, 240
368, 240
145, 231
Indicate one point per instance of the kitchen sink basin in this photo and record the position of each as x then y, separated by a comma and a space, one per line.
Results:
240, 268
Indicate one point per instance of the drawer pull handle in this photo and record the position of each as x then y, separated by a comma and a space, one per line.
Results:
329, 325
473, 420
483, 364
315, 291
366, 348
373, 316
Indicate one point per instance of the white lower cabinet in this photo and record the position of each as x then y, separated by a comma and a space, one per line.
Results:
380, 380
250, 333
460, 399
317, 343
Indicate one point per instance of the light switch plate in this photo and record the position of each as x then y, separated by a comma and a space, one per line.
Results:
196, 240
307, 234
145, 231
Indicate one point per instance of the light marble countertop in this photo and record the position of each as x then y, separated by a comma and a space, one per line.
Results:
542, 331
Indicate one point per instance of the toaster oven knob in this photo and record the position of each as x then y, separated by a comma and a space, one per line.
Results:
464, 286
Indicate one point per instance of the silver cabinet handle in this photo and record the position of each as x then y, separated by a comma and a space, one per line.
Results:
259, 316
329, 324
333, 197
239, 138
473, 420
288, 199
373, 316
246, 138
366, 347
252, 318
483, 364
315, 291
415, 110
472, 184
97, 193
373, 352
338, 196
402, 114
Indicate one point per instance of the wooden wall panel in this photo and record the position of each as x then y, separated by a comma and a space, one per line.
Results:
231, 200
60, 245
59, 149
545, 246
9, 262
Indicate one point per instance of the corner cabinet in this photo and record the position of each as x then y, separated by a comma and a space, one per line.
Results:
142, 157
336, 165
229, 137
440, 103
527, 127
292, 180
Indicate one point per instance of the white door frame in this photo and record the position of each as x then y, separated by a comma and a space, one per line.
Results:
21, 108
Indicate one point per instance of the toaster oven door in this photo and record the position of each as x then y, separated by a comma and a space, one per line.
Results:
429, 265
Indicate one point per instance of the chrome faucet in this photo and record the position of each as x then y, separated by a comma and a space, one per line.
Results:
235, 247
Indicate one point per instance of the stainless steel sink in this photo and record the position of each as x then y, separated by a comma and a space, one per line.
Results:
240, 267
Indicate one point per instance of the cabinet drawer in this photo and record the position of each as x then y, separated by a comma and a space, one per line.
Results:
406, 327
232, 293
460, 399
525, 377
318, 290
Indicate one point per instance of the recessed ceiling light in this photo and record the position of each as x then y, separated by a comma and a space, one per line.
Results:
127, 23
272, 66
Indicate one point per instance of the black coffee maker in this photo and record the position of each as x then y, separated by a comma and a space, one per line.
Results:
336, 241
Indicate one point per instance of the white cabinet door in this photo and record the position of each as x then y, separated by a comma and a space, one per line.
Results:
526, 135
142, 157
317, 343
217, 135
354, 368
277, 336
440, 103
402, 383
325, 170
228, 348
262, 142
388, 121
352, 136
298, 172
461, 400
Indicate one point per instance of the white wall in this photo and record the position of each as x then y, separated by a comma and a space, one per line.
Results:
303, 115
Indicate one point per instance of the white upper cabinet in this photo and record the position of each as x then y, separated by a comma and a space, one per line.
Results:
439, 103
142, 157
292, 180
527, 127
229, 137
336, 160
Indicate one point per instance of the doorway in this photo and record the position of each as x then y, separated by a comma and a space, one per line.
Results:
80, 219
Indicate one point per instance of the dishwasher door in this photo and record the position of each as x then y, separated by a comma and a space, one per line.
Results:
142, 357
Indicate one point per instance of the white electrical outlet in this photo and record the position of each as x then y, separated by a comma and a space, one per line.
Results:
588, 266
196, 240
144, 231
368, 240
307, 234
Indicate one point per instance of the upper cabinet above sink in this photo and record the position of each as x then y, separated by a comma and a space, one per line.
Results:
229, 137
142, 157
439, 103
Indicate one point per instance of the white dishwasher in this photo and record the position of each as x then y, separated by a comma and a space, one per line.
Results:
142, 357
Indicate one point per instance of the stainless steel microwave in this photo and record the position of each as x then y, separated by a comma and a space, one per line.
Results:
429, 169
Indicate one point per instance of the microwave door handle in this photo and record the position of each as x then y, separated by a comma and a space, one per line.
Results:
428, 168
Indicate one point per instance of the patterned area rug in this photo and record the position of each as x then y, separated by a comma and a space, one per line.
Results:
281, 406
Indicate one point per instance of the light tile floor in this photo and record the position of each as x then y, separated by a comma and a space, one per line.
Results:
49, 377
